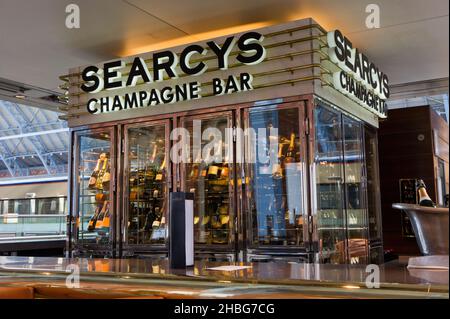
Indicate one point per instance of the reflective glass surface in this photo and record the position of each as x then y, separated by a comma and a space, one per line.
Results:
209, 177
340, 188
147, 185
274, 177
31, 206
354, 191
329, 176
93, 173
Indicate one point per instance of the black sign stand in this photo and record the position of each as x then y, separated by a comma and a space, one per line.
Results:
181, 230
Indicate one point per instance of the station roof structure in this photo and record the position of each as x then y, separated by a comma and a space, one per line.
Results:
34, 144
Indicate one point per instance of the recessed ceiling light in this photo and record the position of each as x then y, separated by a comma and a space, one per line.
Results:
20, 96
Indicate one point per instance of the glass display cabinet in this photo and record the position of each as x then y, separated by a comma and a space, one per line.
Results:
93, 190
293, 180
339, 175
274, 179
282, 163
355, 190
146, 186
209, 175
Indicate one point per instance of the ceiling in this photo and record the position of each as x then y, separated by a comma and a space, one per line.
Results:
36, 47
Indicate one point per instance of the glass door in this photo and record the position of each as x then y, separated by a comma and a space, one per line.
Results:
93, 189
356, 211
146, 185
209, 175
274, 178
340, 202
328, 176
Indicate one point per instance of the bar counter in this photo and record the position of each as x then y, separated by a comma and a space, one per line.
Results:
153, 278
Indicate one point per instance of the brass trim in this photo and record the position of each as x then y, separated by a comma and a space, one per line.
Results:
293, 81
277, 71
278, 57
272, 34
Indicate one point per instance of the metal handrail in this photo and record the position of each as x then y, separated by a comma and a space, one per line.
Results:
16, 215
17, 227
15, 239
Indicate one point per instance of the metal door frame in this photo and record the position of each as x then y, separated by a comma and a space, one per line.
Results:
247, 245
124, 247
229, 249
74, 207
341, 113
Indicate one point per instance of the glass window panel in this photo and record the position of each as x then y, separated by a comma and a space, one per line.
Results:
22, 206
354, 191
328, 162
274, 178
53, 205
148, 185
209, 178
10, 206
94, 200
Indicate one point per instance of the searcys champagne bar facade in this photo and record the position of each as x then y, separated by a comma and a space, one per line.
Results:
273, 130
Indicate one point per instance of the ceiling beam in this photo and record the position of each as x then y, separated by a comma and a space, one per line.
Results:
11, 172
32, 127
5, 148
58, 136
32, 154
11, 137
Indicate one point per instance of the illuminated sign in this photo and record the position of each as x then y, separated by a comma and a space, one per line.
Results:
168, 65
359, 79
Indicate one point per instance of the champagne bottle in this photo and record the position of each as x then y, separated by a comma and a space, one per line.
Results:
287, 215
224, 172
102, 215
194, 171
157, 221
195, 166
101, 173
204, 170
97, 166
424, 199
107, 219
213, 171
160, 174
290, 155
93, 220
153, 156
163, 215
277, 170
